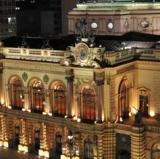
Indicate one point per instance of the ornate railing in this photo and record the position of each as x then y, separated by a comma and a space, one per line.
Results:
125, 55
33, 54
91, 128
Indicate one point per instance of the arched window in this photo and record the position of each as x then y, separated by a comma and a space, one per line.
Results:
144, 101
58, 99
88, 110
16, 136
37, 96
123, 103
16, 93
58, 146
37, 139
155, 151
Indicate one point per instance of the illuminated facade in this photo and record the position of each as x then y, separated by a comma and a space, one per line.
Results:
103, 90
91, 91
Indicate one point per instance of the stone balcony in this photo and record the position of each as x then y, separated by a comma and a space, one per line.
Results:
33, 54
60, 121
150, 124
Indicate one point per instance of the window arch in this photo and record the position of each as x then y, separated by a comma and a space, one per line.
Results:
16, 92
36, 139
37, 96
89, 149
58, 99
155, 150
123, 102
88, 107
144, 101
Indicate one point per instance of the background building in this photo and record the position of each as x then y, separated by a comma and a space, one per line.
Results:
43, 17
7, 18
116, 18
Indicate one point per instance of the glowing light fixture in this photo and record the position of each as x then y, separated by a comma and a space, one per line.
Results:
94, 25
134, 110
152, 113
121, 119
78, 120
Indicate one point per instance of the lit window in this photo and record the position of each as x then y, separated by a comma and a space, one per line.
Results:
88, 108
123, 101
58, 99
37, 97
144, 101
16, 93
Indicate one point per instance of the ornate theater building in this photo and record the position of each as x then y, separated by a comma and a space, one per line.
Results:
82, 97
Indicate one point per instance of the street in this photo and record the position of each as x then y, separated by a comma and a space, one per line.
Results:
12, 154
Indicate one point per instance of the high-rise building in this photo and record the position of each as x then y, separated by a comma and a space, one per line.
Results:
7, 18
43, 17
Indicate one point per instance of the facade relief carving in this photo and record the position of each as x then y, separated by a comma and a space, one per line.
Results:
25, 76
84, 54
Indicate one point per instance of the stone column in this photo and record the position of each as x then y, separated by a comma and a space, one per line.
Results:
69, 92
109, 142
30, 134
99, 80
6, 94
137, 142
81, 146
100, 147
44, 149
26, 98
23, 145
1, 84
4, 89
47, 107
4, 132
10, 128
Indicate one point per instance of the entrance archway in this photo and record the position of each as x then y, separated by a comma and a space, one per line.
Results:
37, 139
16, 136
88, 149
155, 151
58, 146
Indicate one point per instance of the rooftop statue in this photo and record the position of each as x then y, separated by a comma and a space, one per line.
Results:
81, 28
138, 117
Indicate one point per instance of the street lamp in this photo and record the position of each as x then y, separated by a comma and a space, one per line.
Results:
69, 149
70, 143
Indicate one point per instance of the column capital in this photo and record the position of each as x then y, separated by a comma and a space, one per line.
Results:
69, 75
99, 77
